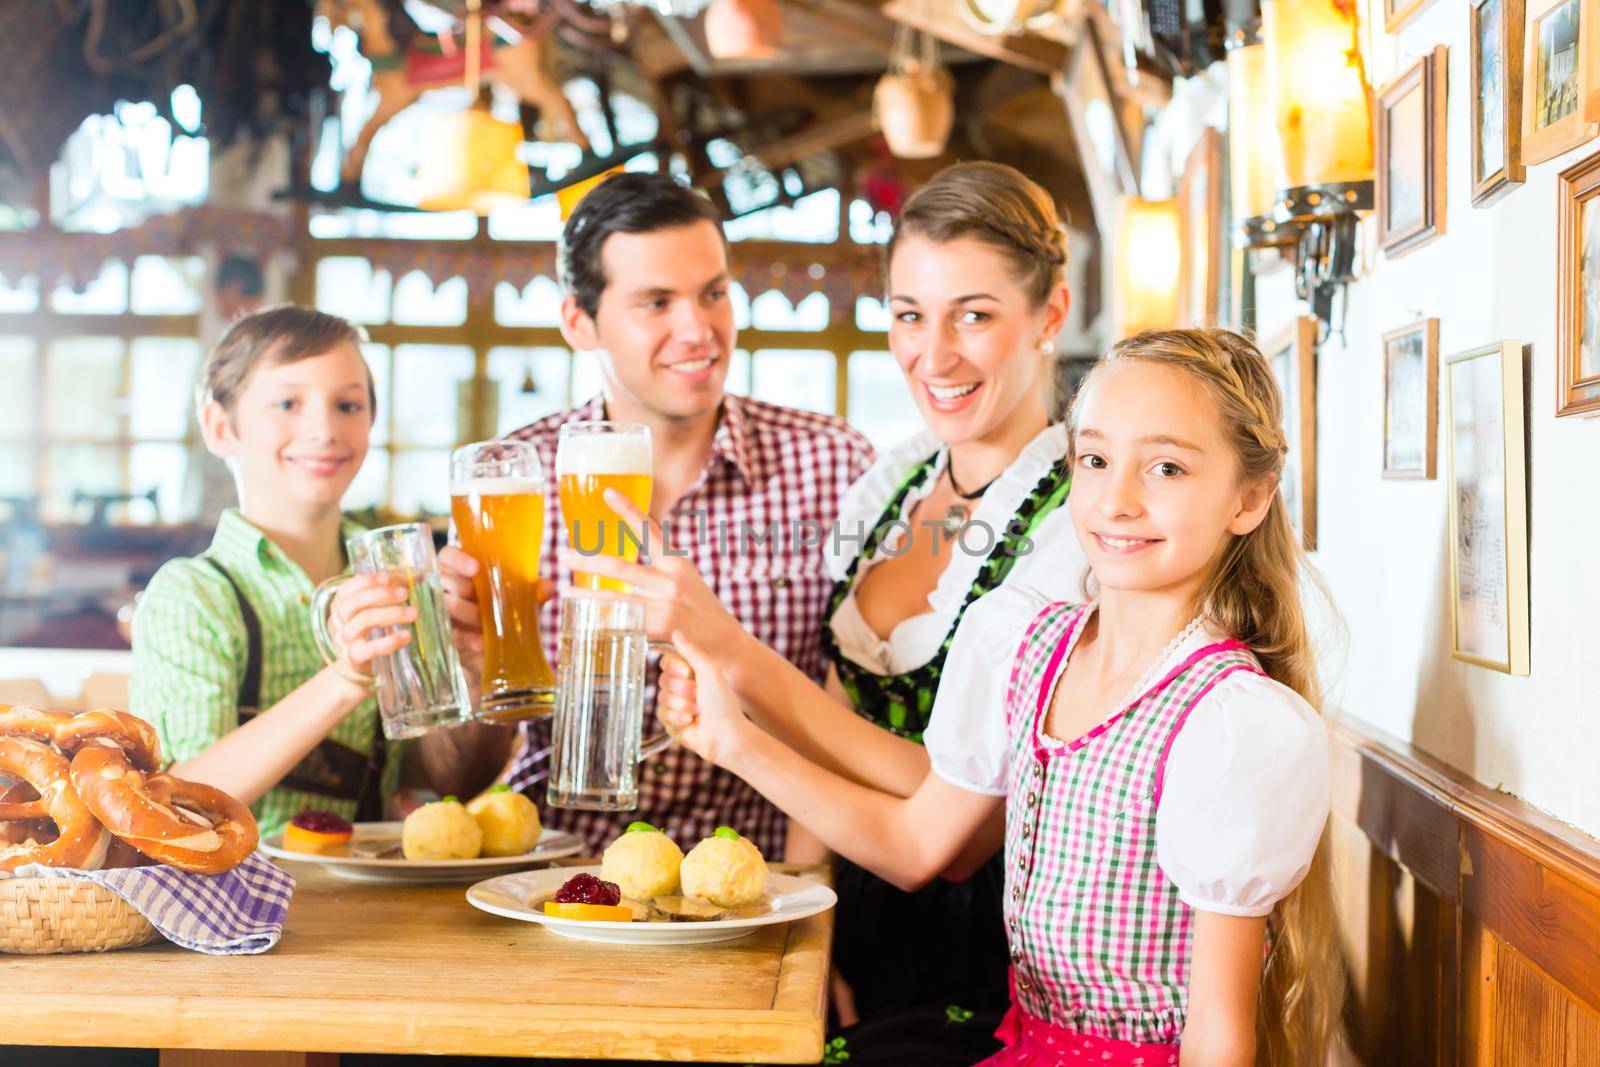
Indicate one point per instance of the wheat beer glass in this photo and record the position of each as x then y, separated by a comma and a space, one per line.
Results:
497, 506
592, 457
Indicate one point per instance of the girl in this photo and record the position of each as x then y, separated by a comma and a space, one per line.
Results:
1164, 772
225, 666
975, 288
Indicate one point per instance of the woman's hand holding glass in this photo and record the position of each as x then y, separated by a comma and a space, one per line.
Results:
677, 598
698, 706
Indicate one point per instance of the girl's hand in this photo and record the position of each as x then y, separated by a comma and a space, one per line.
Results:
676, 597
366, 603
696, 704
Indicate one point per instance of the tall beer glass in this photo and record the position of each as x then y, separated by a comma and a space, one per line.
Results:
592, 457
497, 505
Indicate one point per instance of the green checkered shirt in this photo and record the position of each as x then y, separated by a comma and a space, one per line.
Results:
189, 652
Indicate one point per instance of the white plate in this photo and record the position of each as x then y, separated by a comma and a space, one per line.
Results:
792, 898
553, 844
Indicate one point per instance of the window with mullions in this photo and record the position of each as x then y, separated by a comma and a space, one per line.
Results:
89, 412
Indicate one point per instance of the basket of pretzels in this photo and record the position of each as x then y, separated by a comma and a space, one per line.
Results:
85, 793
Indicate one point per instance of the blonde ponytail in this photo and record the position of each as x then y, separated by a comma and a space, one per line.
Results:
1254, 594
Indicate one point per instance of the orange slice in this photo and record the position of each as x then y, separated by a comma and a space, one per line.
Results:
612, 913
299, 839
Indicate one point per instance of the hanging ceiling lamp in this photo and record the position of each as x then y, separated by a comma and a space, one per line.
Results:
914, 102
471, 158
1000, 18
743, 29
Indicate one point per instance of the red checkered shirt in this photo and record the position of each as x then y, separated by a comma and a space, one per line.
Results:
771, 467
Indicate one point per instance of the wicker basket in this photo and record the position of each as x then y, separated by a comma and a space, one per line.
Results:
40, 916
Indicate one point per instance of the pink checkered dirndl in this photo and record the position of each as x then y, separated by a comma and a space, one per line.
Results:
1100, 941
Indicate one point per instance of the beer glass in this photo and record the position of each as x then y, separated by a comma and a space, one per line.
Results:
592, 457
497, 506
596, 741
420, 686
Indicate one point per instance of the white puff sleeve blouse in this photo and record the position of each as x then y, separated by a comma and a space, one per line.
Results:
1245, 795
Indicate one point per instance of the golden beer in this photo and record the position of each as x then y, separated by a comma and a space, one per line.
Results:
592, 457
499, 521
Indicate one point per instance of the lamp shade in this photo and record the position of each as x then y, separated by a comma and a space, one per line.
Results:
1319, 91
915, 110
743, 29
1254, 156
569, 197
1145, 266
471, 163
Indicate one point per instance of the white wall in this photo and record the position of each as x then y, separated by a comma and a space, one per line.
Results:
1383, 543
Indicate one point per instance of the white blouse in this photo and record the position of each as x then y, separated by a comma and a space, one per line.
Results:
1246, 794
1056, 562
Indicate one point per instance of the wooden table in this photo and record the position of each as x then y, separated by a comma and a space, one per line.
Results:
365, 968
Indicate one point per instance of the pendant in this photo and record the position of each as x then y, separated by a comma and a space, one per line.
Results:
955, 519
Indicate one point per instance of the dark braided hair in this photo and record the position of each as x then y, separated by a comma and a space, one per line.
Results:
998, 205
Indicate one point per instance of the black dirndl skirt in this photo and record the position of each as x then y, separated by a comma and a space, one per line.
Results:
944, 945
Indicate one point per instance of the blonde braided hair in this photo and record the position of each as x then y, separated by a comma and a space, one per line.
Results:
1254, 595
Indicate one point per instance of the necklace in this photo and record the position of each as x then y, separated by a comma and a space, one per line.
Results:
957, 514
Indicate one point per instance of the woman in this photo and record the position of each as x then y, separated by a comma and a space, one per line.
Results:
970, 504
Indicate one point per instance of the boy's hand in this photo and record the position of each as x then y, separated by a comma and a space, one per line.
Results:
361, 606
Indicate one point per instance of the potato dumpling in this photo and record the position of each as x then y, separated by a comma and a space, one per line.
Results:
509, 821
643, 862
726, 869
441, 831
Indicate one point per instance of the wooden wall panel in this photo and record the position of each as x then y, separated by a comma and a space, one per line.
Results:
1470, 921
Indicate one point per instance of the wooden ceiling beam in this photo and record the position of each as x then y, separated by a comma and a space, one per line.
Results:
818, 137
1028, 51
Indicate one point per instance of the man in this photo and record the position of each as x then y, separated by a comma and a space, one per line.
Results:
644, 269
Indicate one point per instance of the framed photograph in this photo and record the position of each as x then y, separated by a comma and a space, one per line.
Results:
1578, 290
1106, 145
1200, 223
1411, 401
1488, 507
1560, 37
1397, 13
1410, 136
1496, 99
1292, 355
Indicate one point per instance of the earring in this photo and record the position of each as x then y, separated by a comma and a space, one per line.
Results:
1047, 348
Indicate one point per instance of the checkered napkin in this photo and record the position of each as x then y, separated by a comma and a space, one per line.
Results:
237, 913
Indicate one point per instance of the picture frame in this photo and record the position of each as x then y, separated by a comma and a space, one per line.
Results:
1411, 401
1561, 34
1200, 230
1578, 289
1496, 89
1488, 550
1106, 145
1397, 13
1292, 355
1409, 132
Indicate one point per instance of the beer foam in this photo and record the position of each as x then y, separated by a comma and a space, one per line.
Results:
494, 487
604, 453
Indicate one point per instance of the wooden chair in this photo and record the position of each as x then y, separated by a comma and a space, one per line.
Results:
25, 691
106, 691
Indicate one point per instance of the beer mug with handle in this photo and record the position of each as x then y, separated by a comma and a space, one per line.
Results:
592, 457
597, 736
497, 495
420, 686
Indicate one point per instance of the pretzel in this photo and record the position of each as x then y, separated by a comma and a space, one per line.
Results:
19, 802
20, 720
126, 801
80, 841
134, 736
